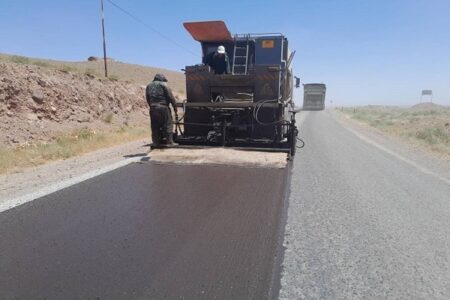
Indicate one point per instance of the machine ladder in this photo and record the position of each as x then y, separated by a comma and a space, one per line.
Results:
240, 56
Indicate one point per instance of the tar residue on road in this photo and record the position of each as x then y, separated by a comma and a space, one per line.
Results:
147, 231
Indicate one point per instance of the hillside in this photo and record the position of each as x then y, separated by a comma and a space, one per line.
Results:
141, 75
42, 99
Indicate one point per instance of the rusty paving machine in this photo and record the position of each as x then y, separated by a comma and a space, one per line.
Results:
252, 107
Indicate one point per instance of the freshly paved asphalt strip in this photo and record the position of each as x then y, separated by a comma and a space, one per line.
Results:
148, 231
363, 223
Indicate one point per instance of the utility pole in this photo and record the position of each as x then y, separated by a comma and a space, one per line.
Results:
104, 39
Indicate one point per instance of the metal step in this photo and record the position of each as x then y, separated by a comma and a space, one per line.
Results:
241, 67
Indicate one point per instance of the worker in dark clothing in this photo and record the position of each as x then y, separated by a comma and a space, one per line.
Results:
218, 61
159, 96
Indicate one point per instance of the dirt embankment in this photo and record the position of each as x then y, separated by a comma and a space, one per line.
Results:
37, 104
116, 70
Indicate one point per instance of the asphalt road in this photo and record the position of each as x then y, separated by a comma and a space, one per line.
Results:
148, 231
363, 223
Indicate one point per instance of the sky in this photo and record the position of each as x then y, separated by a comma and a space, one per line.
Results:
366, 51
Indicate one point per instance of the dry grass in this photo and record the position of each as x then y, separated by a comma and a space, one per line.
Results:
20, 59
426, 126
66, 146
91, 72
67, 69
108, 117
114, 77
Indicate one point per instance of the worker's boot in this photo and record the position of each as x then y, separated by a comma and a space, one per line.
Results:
170, 142
156, 140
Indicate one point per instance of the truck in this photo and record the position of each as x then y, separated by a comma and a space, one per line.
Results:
314, 96
252, 106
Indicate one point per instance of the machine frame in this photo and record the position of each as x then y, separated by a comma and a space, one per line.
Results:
250, 108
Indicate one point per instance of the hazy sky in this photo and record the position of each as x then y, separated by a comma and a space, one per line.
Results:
366, 51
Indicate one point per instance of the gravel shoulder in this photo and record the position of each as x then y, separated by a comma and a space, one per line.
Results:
32, 180
429, 160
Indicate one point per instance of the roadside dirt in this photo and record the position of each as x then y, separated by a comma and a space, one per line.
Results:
118, 70
38, 104
32, 180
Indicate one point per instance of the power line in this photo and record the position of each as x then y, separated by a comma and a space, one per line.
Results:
151, 28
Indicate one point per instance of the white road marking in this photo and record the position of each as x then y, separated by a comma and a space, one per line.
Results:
11, 203
398, 156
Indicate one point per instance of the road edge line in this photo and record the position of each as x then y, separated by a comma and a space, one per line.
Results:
17, 201
397, 155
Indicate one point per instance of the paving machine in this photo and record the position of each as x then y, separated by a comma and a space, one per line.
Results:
252, 107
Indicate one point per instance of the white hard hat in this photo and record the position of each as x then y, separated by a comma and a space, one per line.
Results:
221, 49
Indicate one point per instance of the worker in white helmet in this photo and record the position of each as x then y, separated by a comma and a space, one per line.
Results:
218, 61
